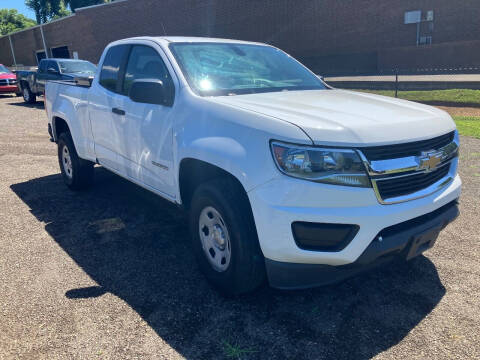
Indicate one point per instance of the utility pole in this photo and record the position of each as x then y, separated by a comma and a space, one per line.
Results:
396, 82
13, 52
43, 40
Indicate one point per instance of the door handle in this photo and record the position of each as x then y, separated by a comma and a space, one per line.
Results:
118, 111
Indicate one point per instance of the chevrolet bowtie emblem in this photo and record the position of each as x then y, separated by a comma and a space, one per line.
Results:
430, 160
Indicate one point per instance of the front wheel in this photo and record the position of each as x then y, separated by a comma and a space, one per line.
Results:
76, 172
224, 237
28, 95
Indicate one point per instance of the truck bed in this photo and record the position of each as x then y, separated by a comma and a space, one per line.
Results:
70, 101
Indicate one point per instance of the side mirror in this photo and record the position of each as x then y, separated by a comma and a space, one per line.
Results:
321, 77
149, 91
52, 70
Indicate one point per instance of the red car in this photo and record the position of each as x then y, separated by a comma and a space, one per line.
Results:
8, 81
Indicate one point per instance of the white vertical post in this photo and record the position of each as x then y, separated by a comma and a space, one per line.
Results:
44, 44
13, 52
418, 33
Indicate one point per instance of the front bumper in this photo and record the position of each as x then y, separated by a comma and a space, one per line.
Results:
284, 200
405, 240
9, 89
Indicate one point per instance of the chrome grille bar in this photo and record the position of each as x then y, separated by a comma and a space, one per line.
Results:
424, 174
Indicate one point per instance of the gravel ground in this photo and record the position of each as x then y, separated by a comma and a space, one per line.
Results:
108, 274
461, 110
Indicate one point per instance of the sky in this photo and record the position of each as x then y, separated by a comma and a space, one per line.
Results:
19, 5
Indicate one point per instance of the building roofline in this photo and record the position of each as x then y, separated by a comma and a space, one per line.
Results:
63, 18
39, 25
98, 5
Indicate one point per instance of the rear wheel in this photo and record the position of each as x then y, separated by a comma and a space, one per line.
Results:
224, 237
28, 95
77, 173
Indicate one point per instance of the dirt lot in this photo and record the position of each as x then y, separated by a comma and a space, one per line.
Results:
461, 110
108, 274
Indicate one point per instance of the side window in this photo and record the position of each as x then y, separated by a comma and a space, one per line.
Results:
145, 63
42, 67
111, 67
52, 64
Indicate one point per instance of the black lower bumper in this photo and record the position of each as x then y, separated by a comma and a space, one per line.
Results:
405, 240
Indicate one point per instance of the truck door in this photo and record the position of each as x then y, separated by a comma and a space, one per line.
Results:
38, 84
105, 103
145, 148
52, 73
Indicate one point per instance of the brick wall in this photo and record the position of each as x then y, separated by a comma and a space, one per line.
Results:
329, 35
443, 56
5, 53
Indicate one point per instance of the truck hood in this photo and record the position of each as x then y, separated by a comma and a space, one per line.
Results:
340, 117
7, 76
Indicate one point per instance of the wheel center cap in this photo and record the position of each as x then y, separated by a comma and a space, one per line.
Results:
219, 236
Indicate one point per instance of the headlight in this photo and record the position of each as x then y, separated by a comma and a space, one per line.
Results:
324, 165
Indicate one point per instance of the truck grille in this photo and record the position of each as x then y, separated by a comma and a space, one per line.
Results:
385, 152
3, 82
403, 172
409, 184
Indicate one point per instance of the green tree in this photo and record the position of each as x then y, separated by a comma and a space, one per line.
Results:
40, 7
60, 10
11, 21
46, 10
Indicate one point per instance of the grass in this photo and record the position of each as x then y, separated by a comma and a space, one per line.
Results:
236, 352
458, 96
468, 125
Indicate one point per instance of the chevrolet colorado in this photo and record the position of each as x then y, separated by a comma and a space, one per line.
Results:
32, 83
283, 177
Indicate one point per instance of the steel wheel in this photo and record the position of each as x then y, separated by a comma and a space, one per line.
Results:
215, 238
67, 162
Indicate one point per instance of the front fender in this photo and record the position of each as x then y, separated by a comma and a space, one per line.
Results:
234, 140
223, 152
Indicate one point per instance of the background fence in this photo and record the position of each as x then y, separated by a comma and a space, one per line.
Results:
465, 77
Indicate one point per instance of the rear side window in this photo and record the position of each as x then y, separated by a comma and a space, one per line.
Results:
42, 67
109, 76
52, 65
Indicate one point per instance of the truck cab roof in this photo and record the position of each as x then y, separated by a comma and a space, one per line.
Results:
182, 39
62, 59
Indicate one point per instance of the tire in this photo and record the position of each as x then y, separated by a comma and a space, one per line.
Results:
244, 267
28, 96
77, 173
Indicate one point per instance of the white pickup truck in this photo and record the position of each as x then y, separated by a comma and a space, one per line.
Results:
283, 177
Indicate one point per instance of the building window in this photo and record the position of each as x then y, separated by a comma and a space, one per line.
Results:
60, 52
425, 40
424, 25
429, 15
413, 17
40, 55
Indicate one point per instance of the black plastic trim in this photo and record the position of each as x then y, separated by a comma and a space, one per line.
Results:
325, 237
384, 152
50, 132
405, 240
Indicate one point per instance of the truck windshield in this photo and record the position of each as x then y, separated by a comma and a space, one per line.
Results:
4, 70
232, 69
75, 67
